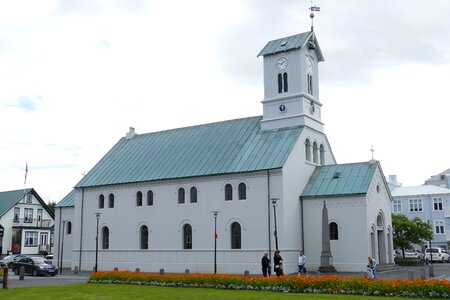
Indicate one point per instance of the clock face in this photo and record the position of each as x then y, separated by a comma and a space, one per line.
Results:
281, 63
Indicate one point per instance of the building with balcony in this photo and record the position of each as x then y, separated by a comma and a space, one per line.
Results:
26, 223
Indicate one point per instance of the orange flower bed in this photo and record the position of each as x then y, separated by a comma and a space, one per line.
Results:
305, 284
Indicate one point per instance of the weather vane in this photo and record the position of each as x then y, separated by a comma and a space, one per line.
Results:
313, 8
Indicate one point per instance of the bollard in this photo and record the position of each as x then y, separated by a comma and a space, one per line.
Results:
21, 272
5, 277
422, 273
138, 270
246, 273
187, 271
161, 271
431, 270
75, 270
116, 269
410, 274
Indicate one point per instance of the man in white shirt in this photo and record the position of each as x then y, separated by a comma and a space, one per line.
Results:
301, 262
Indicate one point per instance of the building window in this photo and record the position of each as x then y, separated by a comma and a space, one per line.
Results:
187, 236
282, 83
105, 237
28, 215
334, 231
397, 206
437, 204
308, 150
415, 205
228, 192
315, 153
181, 196
29, 198
235, 236
139, 198
439, 227
16, 214
101, 201
242, 188
310, 84
193, 195
111, 200
69, 228
322, 155
144, 237
31, 238
150, 198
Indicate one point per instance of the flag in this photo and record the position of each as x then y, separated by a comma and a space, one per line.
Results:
26, 172
314, 8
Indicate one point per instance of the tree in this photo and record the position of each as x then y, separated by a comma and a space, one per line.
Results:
408, 232
51, 206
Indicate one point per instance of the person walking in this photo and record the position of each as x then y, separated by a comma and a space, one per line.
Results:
265, 264
301, 262
278, 263
371, 267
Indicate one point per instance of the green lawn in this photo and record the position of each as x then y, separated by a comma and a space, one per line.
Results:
116, 291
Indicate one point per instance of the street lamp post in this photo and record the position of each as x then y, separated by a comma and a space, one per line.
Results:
275, 233
215, 213
97, 216
62, 247
429, 247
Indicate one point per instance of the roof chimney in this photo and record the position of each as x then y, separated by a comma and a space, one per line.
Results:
130, 133
393, 179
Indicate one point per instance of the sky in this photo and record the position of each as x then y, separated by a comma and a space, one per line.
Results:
75, 75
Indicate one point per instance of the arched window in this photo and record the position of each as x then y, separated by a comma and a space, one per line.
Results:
150, 198
308, 150
235, 236
105, 237
228, 192
310, 84
280, 83
144, 237
101, 201
242, 191
187, 236
334, 231
69, 227
139, 198
181, 196
315, 153
111, 200
285, 82
322, 155
193, 194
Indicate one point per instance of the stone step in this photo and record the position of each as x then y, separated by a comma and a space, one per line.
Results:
387, 267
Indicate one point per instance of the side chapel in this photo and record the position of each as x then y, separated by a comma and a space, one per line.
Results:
151, 199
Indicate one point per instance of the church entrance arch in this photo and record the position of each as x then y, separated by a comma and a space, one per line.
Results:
381, 236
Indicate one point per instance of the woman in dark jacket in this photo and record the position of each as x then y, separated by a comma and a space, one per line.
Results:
265, 264
278, 263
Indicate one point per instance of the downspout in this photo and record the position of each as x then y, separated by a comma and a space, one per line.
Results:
302, 223
268, 219
81, 229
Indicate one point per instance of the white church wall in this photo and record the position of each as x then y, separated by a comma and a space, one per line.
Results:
67, 214
166, 218
350, 250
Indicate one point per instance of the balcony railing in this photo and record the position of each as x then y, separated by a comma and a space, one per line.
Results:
26, 222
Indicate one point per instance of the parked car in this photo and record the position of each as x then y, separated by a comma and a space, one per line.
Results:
414, 254
9, 259
436, 254
34, 266
49, 257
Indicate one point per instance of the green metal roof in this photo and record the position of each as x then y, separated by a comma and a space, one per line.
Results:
218, 148
291, 42
10, 198
343, 179
68, 200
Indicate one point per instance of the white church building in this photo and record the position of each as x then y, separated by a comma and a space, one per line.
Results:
151, 199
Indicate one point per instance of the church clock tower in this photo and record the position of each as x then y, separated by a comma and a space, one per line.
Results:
291, 82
